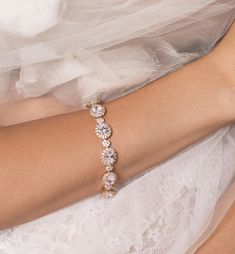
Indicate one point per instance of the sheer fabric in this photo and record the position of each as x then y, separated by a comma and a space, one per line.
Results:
76, 50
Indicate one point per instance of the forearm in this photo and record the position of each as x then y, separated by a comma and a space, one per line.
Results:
169, 115
50, 163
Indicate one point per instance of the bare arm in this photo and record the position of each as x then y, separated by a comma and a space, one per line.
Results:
50, 163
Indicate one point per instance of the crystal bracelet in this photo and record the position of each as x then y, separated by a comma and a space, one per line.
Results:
109, 155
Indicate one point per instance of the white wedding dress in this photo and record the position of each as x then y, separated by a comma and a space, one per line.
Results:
75, 50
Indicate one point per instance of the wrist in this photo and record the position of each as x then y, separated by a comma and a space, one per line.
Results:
168, 115
222, 59
223, 69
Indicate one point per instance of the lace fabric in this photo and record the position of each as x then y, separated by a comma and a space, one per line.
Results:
83, 49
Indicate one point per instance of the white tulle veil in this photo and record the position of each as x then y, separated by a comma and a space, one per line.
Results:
80, 49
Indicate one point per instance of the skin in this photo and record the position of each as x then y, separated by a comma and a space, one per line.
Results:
45, 157
222, 239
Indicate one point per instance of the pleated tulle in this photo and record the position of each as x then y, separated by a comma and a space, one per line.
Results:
79, 49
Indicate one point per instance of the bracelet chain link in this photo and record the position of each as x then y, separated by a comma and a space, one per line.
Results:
109, 155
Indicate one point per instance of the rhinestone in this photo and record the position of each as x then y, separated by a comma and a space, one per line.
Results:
100, 120
97, 110
92, 102
103, 130
109, 194
106, 143
109, 168
108, 187
109, 180
109, 156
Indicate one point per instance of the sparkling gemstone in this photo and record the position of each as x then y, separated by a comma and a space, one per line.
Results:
109, 168
103, 130
106, 143
109, 180
109, 156
97, 110
93, 101
100, 120
109, 194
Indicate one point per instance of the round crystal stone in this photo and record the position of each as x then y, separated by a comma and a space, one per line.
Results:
103, 130
106, 143
109, 168
100, 120
109, 180
109, 194
109, 156
97, 110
